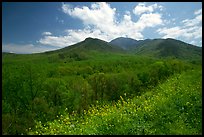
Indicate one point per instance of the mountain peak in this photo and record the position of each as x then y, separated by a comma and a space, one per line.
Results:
89, 38
124, 42
124, 38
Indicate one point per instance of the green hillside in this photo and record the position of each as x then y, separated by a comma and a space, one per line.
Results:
160, 48
169, 48
93, 78
88, 45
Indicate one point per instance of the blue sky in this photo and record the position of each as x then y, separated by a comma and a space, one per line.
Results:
32, 27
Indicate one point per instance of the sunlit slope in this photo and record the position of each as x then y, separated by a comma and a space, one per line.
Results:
173, 107
89, 44
87, 49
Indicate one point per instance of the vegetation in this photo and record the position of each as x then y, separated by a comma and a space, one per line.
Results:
99, 90
170, 108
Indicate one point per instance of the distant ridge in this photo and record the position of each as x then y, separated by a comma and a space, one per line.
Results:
124, 43
159, 48
169, 48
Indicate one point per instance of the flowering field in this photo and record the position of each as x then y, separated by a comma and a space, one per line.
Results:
172, 107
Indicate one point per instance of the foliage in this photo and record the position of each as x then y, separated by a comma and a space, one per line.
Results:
170, 108
40, 87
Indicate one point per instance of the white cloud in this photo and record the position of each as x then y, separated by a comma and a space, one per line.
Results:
190, 30
101, 15
127, 12
46, 33
80, 35
150, 20
66, 8
59, 41
134, 29
100, 22
72, 37
173, 32
198, 12
180, 32
25, 49
193, 22
142, 8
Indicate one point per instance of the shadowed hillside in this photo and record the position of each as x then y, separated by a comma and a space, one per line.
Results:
169, 48
160, 48
125, 43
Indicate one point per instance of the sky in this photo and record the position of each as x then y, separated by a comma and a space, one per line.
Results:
34, 27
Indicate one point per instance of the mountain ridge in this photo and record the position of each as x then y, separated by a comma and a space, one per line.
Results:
159, 48
162, 48
124, 42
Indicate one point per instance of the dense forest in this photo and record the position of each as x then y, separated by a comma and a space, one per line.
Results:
89, 89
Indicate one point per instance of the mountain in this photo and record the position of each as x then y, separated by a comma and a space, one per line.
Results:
90, 44
160, 48
85, 49
168, 48
97, 45
124, 43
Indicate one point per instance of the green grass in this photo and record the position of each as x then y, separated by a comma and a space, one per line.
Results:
172, 108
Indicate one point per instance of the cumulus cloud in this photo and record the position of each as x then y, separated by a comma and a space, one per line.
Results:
25, 49
149, 20
100, 22
101, 15
142, 8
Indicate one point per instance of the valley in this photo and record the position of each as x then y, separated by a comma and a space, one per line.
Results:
147, 87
